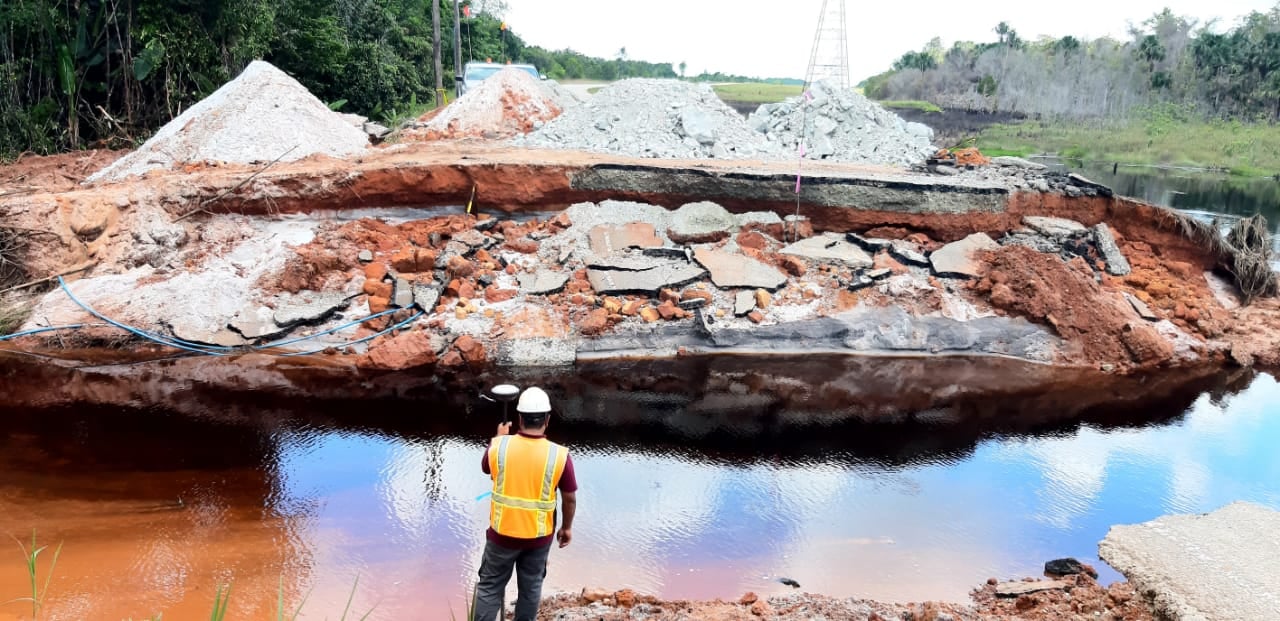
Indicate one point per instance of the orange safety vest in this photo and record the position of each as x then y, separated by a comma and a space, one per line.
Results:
525, 472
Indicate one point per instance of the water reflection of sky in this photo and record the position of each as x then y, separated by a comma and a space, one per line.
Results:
403, 513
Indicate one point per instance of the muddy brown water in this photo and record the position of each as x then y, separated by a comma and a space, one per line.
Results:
894, 479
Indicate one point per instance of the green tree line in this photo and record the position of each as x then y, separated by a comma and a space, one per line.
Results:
1168, 60
77, 73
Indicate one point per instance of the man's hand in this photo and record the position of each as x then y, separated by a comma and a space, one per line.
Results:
504, 429
564, 537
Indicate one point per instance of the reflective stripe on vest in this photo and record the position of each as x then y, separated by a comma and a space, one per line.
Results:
523, 504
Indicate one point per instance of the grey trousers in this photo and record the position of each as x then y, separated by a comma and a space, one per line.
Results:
495, 572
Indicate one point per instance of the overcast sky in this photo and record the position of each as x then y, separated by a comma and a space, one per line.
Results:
772, 38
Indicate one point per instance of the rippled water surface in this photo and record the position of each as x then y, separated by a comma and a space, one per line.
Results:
702, 493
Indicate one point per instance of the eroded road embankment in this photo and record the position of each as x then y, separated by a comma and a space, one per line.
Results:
653, 258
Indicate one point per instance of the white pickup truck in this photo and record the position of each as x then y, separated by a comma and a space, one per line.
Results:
475, 73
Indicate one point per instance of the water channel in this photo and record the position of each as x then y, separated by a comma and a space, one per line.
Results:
885, 479
878, 478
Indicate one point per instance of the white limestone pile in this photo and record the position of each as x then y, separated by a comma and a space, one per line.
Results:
842, 126
508, 103
654, 119
254, 118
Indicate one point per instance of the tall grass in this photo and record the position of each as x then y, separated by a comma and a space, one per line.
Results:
31, 559
911, 104
1151, 138
758, 93
220, 601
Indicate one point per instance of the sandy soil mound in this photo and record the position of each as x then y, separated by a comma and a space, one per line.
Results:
508, 103
254, 118
657, 119
842, 126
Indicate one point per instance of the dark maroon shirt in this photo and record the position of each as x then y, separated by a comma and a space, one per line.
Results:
568, 484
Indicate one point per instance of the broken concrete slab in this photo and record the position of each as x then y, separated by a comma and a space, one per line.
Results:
1117, 264
365, 256
471, 238
1144, 311
632, 262
425, 297
879, 274
870, 244
1032, 240
308, 307
744, 303
760, 221
1054, 227
402, 293
830, 248
1080, 181
861, 282
542, 282
957, 258
1217, 566
1223, 290
647, 282
221, 337
607, 239
256, 323
1014, 589
733, 271
701, 223
908, 253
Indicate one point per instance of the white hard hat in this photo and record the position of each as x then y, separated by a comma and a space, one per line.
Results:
533, 401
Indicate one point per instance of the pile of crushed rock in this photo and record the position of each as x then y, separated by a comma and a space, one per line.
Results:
256, 117
654, 119
842, 126
509, 103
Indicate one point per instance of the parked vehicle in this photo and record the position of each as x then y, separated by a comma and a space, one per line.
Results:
475, 73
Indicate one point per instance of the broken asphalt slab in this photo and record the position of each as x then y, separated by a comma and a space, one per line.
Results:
1117, 264
830, 248
606, 239
735, 271
1211, 567
1054, 227
676, 274
957, 258
308, 307
542, 283
701, 223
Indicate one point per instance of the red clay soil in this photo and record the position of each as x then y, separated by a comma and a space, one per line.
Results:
53, 173
1102, 327
1082, 598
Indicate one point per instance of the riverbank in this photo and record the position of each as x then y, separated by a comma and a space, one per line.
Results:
1244, 149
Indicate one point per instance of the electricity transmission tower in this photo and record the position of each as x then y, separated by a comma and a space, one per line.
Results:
829, 60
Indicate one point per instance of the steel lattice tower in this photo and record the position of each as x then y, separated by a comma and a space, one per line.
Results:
829, 60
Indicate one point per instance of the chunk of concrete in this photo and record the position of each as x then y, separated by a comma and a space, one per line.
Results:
425, 297
256, 323
830, 248
543, 282
1117, 264
1017, 162
701, 223
1217, 566
735, 271
908, 253
870, 244
1054, 227
648, 282
308, 307
1014, 589
471, 238
365, 256
1226, 293
699, 125
607, 239
744, 303
1144, 311
957, 258
402, 294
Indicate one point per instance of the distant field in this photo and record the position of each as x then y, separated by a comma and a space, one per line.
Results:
1247, 149
756, 93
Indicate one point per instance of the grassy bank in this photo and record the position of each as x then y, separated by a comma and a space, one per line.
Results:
922, 106
757, 93
1247, 149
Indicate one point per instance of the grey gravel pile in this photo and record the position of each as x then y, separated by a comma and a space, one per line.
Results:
842, 126
654, 119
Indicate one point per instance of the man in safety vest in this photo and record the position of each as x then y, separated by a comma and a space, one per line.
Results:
528, 472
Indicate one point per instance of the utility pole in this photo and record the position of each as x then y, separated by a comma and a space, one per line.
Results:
435, 31
457, 46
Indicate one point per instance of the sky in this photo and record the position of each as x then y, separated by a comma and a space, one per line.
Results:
770, 38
